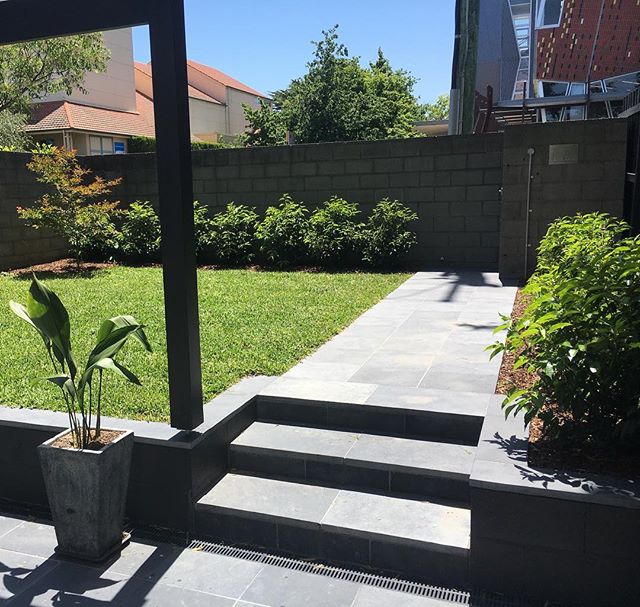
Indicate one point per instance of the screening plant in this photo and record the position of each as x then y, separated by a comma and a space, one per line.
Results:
234, 233
579, 339
332, 233
386, 238
82, 390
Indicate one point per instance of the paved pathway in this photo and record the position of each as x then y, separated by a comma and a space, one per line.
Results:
430, 333
159, 575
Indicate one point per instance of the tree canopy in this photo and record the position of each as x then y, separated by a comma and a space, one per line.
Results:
438, 110
338, 100
32, 70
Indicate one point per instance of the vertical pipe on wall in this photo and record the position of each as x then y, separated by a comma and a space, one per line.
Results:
527, 220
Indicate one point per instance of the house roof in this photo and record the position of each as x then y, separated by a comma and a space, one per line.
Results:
194, 93
66, 115
223, 78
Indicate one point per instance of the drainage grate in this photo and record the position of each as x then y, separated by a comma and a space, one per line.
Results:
453, 596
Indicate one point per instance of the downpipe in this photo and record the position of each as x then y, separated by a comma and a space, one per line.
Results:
527, 245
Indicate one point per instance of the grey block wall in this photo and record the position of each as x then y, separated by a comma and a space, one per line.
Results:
452, 183
21, 245
594, 182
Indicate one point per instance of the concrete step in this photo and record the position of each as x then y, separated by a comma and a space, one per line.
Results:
348, 460
420, 540
436, 415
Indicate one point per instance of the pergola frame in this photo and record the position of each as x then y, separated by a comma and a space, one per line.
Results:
25, 20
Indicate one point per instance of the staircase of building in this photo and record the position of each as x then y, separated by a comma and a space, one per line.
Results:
381, 486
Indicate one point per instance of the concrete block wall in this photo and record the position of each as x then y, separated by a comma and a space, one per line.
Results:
21, 245
591, 181
452, 183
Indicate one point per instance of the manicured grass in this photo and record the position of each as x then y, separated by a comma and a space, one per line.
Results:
251, 323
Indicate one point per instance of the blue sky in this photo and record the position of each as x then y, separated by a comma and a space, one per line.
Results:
266, 43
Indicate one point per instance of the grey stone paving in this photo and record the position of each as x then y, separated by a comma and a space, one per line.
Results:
430, 333
160, 575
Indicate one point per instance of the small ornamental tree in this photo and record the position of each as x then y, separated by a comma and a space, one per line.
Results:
74, 208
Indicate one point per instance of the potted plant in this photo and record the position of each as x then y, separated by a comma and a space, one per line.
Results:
85, 468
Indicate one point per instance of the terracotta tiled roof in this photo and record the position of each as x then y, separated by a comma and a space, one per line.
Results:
63, 115
221, 77
145, 68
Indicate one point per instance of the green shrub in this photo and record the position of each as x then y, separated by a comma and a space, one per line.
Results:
140, 233
572, 242
141, 145
234, 233
332, 233
203, 230
282, 233
580, 337
146, 145
385, 239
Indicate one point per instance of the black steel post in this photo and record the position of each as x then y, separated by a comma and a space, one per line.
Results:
175, 188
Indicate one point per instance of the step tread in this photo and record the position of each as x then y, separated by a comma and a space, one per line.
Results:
399, 398
347, 512
382, 452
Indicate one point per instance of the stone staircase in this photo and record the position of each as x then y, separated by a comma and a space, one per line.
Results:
378, 481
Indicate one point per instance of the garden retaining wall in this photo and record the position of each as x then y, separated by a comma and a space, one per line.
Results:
453, 183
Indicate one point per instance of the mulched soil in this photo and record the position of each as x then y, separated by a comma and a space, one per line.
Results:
62, 268
547, 452
106, 437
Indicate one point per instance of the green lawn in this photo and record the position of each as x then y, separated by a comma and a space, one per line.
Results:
251, 323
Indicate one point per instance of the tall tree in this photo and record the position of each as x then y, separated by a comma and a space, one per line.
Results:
32, 70
438, 110
338, 100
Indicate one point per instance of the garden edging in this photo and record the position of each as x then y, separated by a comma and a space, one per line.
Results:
541, 532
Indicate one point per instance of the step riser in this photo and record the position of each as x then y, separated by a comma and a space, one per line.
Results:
425, 563
345, 475
425, 425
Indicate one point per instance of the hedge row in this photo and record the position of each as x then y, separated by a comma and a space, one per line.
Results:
288, 235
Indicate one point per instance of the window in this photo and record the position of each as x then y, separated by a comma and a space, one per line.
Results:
549, 13
99, 146
554, 89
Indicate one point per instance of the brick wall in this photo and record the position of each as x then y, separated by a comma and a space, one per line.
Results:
21, 245
593, 180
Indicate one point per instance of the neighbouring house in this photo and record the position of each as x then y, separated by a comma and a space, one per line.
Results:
544, 61
118, 105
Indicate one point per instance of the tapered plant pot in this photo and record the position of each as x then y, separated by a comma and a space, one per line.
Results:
87, 492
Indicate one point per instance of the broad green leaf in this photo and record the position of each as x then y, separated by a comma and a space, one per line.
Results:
49, 315
111, 365
117, 322
65, 383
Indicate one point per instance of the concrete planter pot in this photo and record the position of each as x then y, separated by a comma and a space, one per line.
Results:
87, 492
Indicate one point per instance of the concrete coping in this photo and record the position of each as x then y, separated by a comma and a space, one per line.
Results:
216, 413
501, 464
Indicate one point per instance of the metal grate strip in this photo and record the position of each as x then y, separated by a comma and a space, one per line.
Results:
450, 595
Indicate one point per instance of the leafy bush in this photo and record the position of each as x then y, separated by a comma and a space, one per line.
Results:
203, 229
140, 232
385, 238
332, 233
75, 208
572, 242
234, 233
579, 339
146, 145
282, 233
